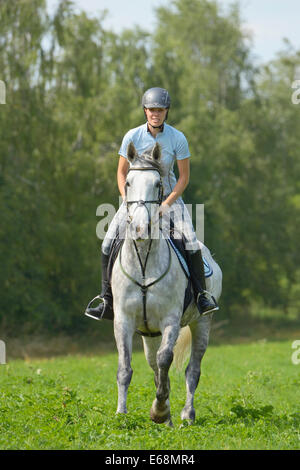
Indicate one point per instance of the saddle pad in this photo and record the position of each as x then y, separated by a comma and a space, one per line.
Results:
207, 268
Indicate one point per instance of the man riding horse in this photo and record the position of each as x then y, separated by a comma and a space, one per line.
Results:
174, 146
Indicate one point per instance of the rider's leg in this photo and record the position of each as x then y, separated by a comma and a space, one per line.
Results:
105, 307
196, 267
183, 223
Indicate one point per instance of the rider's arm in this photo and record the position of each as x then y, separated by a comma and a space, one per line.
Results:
121, 174
182, 182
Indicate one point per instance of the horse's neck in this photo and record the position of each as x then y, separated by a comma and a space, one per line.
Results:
155, 255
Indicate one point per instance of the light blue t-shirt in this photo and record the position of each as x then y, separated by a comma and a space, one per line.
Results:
174, 146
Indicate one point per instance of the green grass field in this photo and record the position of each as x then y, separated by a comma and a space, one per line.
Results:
248, 398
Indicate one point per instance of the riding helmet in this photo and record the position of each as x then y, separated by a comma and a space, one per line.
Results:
156, 98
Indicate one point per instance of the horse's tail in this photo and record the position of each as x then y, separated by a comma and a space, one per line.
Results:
182, 347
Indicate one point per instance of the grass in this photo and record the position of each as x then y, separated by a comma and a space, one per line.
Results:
248, 398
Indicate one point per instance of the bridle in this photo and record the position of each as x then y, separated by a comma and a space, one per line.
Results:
142, 202
143, 286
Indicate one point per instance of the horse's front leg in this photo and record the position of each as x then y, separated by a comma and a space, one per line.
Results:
160, 410
200, 336
123, 330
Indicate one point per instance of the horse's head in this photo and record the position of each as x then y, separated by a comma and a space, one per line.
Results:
143, 189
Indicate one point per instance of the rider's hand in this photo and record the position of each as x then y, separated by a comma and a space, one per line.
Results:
163, 209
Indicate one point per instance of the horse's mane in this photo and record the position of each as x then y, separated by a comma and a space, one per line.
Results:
145, 160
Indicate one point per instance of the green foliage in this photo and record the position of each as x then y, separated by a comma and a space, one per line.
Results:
73, 89
70, 403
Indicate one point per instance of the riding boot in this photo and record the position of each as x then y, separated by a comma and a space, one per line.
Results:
196, 267
105, 307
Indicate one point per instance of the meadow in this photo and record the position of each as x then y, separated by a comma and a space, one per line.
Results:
248, 398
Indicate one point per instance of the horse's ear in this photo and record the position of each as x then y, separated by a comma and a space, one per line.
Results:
156, 152
131, 152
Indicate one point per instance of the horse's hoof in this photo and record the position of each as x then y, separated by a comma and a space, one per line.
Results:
188, 416
161, 417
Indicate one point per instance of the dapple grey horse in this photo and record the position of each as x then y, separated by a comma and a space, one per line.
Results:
148, 285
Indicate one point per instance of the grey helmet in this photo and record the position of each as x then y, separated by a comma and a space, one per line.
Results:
156, 98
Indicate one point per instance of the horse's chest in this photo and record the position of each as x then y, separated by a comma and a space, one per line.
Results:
159, 298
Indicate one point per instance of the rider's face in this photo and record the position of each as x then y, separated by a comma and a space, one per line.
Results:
156, 116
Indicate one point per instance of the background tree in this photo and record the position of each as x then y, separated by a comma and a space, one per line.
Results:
74, 89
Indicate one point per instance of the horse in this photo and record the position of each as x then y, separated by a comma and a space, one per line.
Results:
148, 286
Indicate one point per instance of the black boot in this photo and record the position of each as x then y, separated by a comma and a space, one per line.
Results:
105, 307
196, 267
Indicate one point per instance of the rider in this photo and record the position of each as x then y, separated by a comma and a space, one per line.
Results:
156, 103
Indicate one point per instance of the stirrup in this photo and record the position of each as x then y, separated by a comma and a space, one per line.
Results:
214, 308
87, 310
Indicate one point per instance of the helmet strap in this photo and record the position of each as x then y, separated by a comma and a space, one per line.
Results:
156, 127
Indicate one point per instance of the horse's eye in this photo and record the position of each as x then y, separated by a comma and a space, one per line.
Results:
127, 184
